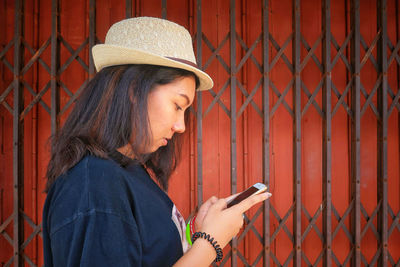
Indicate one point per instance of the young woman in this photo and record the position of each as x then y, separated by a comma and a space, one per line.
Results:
111, 161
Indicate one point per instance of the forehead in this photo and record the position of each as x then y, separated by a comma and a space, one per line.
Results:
180, 87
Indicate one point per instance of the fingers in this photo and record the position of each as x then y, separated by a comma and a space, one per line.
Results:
203, 210
211, 201
251, 201
206, 205
217, 207
220, 204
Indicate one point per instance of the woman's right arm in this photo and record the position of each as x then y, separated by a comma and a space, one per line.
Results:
220, 223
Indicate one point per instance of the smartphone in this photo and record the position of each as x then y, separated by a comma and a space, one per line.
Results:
252, 190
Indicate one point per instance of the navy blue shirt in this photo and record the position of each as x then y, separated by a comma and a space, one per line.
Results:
101, 214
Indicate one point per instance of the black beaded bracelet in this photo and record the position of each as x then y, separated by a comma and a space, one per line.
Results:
212, 242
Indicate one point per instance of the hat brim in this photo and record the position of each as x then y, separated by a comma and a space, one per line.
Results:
111, 55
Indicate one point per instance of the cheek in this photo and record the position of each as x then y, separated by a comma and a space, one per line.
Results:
159, 117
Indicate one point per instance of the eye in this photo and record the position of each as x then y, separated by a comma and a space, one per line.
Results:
178, 107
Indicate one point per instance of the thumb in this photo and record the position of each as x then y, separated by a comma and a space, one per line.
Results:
251, 201
231, 197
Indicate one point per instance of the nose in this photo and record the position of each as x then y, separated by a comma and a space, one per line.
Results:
179, 125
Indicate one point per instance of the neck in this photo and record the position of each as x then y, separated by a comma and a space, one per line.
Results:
126, 150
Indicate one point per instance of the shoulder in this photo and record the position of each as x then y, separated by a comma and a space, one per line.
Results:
89, 174
92, 185
94, 171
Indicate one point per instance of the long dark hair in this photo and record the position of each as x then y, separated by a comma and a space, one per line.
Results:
109, 112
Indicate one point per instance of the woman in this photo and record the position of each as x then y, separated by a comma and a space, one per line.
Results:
111, 161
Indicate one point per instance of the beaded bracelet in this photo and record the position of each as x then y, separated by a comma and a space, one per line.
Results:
210, 239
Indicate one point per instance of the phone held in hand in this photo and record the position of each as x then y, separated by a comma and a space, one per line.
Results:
255, 189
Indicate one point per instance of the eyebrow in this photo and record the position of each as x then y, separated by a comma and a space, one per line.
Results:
186, 97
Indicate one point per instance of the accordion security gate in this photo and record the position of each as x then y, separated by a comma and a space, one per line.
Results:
306, 100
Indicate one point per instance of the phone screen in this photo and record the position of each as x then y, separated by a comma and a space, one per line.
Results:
242, 196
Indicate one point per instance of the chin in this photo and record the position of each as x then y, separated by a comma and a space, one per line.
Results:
153, 149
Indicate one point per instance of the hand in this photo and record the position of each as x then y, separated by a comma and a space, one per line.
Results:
204, 209
203, 212
222, 223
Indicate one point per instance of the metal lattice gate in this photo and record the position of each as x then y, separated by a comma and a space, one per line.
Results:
306, 97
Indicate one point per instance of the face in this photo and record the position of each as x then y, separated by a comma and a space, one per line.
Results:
166, 110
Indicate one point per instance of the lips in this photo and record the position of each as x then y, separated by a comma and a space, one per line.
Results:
164, 141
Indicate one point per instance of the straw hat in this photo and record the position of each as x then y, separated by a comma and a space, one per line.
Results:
146, 40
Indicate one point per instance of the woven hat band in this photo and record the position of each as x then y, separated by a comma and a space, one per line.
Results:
184, 61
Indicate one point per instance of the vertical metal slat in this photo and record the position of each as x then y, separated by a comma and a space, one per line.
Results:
382, 135
327, 131
128, 9
36, 211
192, 127
18, 135
55, 105
92, 35
164, 9
266, 129
355, 131
297, 134
233, 115
137, 8
199, 113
